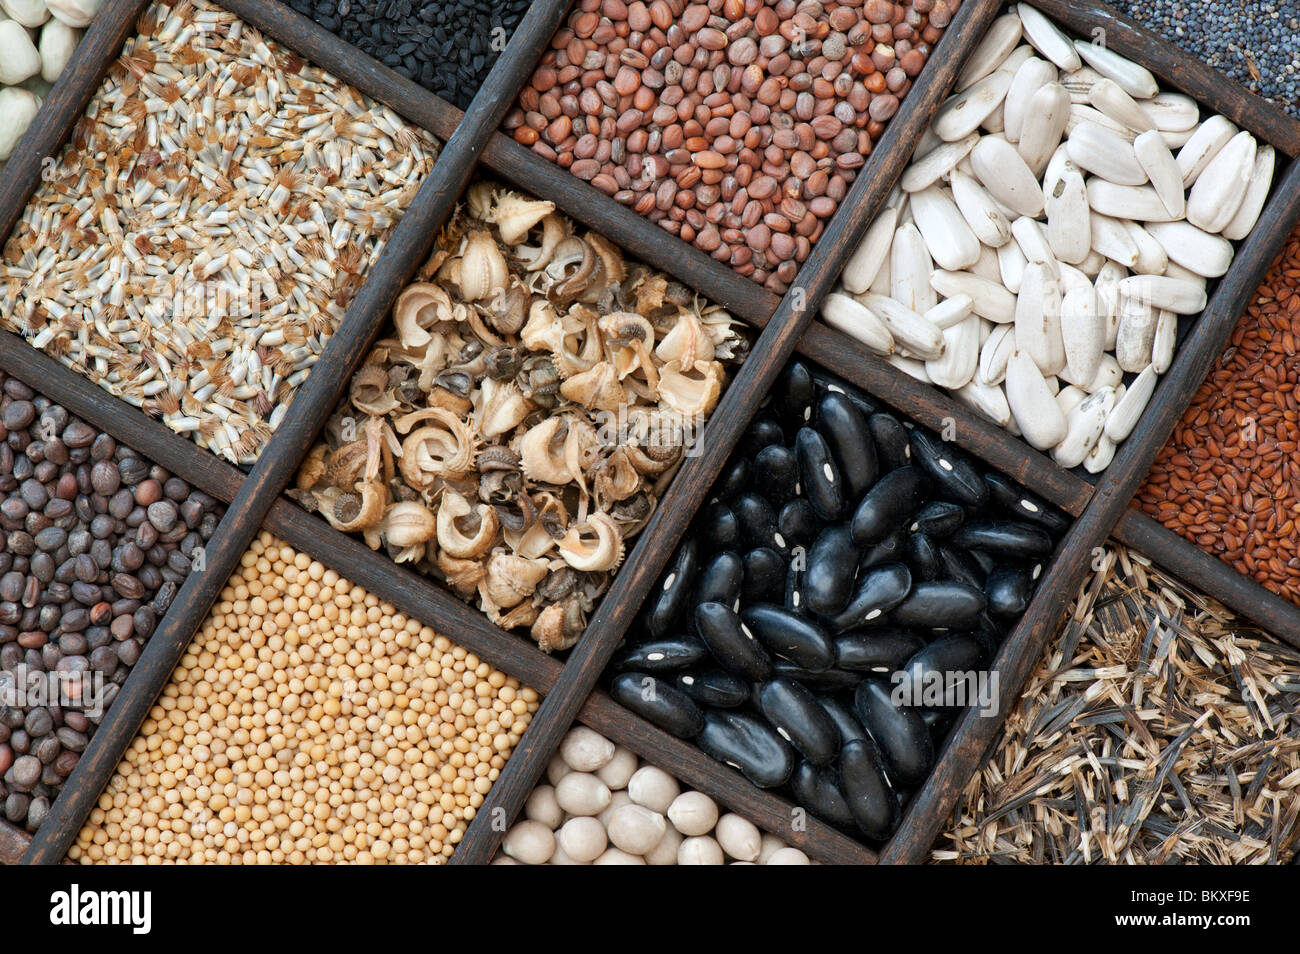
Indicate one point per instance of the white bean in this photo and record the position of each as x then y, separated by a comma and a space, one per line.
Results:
542, 807
57, 44
693, 813
654, 788
614, 856
585, 750
739, 837
582, 839
581, 794
789, 856
18, 108
529, 842
18, 57
618, 771
636, 829
700, 850
665, 853
75, 13
30, 13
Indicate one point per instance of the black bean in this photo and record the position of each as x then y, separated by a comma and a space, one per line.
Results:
849, 437
785, 634
870, 798
657, 701
747, 744
889, 504
666, 654
715, 688
898, 731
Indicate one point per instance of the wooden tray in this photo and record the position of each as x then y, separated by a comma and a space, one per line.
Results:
471, 139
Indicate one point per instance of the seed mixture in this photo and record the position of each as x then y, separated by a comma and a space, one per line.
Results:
812, 629
309, 723
538, 393
95, 541
602, 805
1255, 42
1229, 478
447, 46
737, 125
203, 232
1157, 729
1058, 220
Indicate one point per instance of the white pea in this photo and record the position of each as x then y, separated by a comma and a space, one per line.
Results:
57, 44
582, 839
559, 857
504, 860
30, 13
18, 56
665, 853
616, 801
618, 771
614, 856
636, 829
693, 813
789, 856
556, 769
770, 846
699, 851
581, 794
542, 807
18, 108
739, 837
529, 842
654, 788
586, 750
75, 13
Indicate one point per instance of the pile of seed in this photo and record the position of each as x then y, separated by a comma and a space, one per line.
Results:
1256, 42
95, 542
601, 805
447, 46
309, 722
202, 234
1229, 478
847, 561
1156, 729
737, 125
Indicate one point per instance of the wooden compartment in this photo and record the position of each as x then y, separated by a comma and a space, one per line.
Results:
254, 499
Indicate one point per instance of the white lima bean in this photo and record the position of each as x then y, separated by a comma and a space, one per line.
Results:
739, 837
57, 44
581, 794
665, 853
788, 856
693, 814
585, 750
556, 769
636, 829
616, 801
618, 771
614, 814
699, 850
19, 59
1116, 193
75, 13
30, 13
614, 856
18, 108
654, 788
530, 843
542, 807
583, 839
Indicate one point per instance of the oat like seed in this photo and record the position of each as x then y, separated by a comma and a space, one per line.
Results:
204, 230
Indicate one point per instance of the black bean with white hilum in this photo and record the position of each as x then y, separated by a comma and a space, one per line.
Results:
835, 602
447, 47
94, 544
